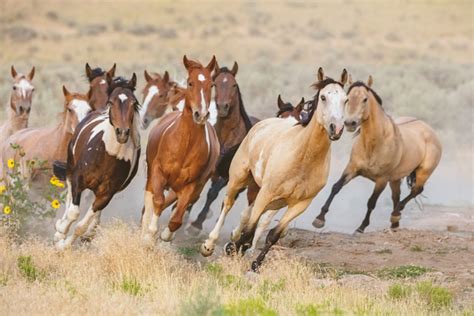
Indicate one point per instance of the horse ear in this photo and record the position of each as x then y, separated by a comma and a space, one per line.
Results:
133, 82
349, 80
281, 104
320, 74
344, 77
235, 68
166, 77
14, 73
300, 105
147, 76
370, 81
186, 62
31, 75
108, 78
212, 64
66, 93
217, 69
112, 70
88, 71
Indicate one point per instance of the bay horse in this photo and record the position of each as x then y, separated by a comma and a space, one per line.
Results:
384, 151
48, 144
160, 95
98, 86
232, 124
19, 105
102, 157
289, 162
182, 152
287, 110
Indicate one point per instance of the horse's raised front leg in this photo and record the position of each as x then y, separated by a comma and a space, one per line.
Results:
347, 176
274, 234
216, 186
185, 197
71, 213
379, 187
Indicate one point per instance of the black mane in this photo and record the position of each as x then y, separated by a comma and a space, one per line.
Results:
119, 82
96, 72
314, 104
361, 84
287, 107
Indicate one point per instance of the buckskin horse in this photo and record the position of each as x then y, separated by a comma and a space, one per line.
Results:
48, 144
384, 151
231, 126
182, 152
290, 164
102, 157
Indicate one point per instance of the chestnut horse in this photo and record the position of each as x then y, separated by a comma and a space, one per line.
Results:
182, 152
231, 126
160, 96
289, 162
20, 104
102, 157
98, 90
384, 151
48, 143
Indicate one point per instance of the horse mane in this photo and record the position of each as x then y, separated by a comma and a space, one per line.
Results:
314, 103
224, 70
286, 108
243, 113
362, 84
119, 82
96, 72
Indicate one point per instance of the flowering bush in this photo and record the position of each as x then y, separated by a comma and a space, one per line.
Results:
16, 201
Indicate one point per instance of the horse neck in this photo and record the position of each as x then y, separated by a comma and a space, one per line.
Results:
15, 121
372, 130
231, 129
314, 140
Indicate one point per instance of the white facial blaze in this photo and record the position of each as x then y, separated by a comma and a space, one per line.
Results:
81, 108
225, 79
203, 101
212, 113
24, 86
152, 91
201, 77
122, 97
103, 81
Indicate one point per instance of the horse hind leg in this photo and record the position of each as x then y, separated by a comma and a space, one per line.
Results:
379, 187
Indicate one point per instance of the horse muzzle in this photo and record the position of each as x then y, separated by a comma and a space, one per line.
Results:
351, 125
335, 131
200, 118
122, 135
223, 110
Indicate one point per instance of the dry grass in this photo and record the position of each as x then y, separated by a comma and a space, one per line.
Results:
116, 274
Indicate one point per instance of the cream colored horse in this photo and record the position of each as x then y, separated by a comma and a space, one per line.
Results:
288, 161
386, 151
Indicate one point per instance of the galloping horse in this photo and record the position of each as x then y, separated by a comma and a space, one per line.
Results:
289, 162
157, 96
232, 125
102, 157
20, 104
385, 151
48, 143
98, 86
181, 154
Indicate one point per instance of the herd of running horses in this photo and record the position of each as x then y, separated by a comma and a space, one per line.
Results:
203, 133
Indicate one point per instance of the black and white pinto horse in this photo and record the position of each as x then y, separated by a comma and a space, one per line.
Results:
102, 157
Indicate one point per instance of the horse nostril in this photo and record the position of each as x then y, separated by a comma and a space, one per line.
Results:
196, 115
353, 123
332, 127
117, 131
127, 132
226, 106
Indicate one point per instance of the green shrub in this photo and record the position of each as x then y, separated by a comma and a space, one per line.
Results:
402, 272
29, 271
188, 251
131, 286
399, 291
435, 296
250, 306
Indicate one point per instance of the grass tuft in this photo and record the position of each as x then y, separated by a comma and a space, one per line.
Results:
436, 297
29, 271
403, 272
399, 291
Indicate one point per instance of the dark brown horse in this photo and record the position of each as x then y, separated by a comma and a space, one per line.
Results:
102, 157
286, 109
98, 90
181, 154
232, 125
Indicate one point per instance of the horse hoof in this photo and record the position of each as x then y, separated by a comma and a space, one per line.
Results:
359, 231
395, 219
206, 250
166, 234
62, 245
193, 230
59, 236
86, 239
318, 223
255, 267
230, 249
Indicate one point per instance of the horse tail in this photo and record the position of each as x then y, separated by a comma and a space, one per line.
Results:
411, 179
59, 169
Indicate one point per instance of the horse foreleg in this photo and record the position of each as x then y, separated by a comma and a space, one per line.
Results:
347, 176
71, 213
262, 226
185, 197
275, 233
379, 187
212, 194
92, 229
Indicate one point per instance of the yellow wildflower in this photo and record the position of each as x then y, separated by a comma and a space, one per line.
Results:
59, 184
11, 163
2, 188
55, 204
7, 210
54, 180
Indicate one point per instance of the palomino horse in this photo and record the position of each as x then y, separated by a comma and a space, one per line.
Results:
181, 154
102, 157
20, 104
288, 161
232, 125
48, 143
385, 151
159, 97
98, 90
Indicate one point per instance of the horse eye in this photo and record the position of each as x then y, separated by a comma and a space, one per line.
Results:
14, 87
190, 84
347, 100
323, 98
365, 100
69, 110
235, 85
